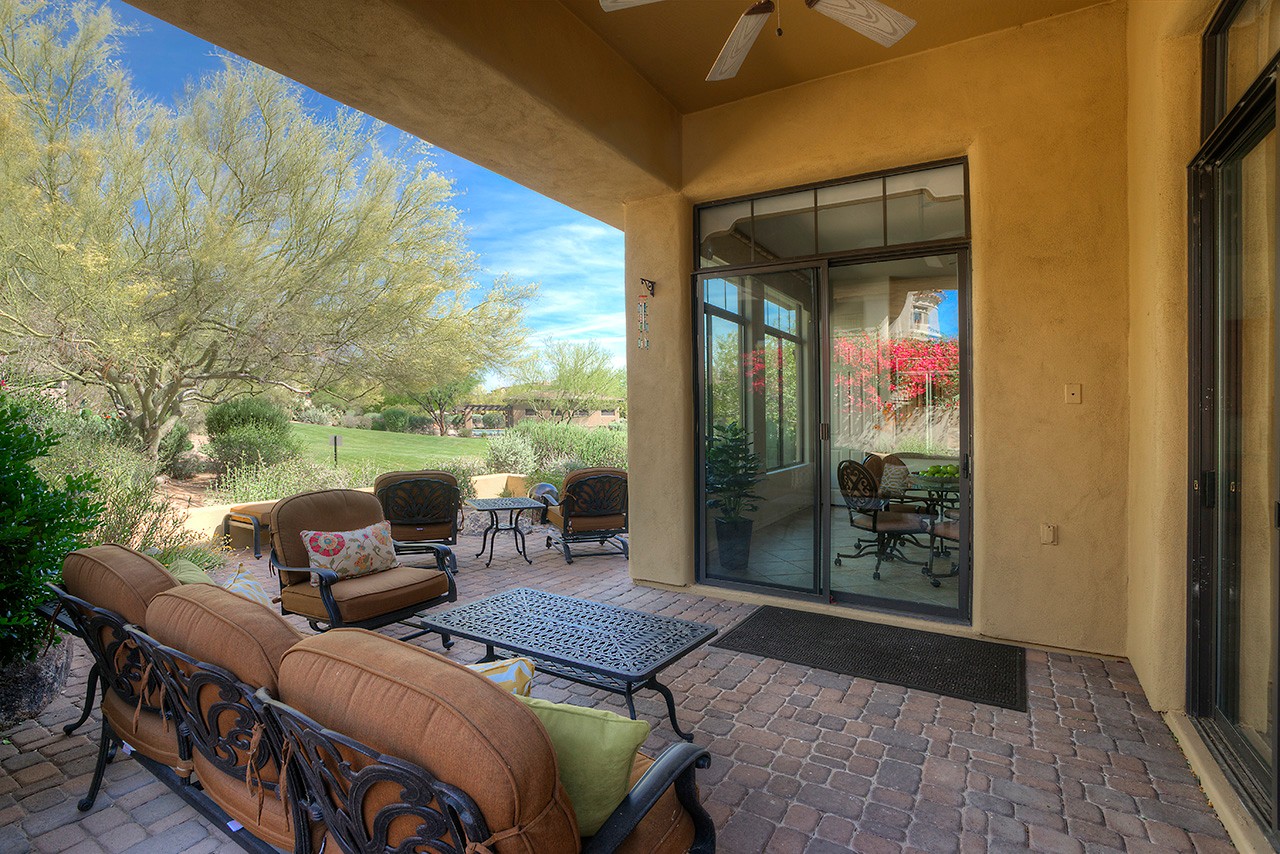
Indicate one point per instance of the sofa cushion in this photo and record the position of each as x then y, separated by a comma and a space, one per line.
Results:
368, 596
666, 829
117, 579
144, 731
241, 802
351, 553
408, 702
595, 751
216, 626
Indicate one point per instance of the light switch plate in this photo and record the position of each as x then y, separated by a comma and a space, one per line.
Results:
1071, 393
1048, 534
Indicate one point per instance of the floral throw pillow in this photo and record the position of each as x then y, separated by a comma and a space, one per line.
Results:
350, 553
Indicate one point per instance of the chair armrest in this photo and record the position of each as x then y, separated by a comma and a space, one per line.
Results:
675, 765
327, 576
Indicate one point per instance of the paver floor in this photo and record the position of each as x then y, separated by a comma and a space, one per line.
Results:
804, 760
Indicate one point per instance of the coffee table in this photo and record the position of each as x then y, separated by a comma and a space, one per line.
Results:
604, 646
514, 507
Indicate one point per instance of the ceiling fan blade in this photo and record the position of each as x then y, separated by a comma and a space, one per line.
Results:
874, 20
615, 5
740, 41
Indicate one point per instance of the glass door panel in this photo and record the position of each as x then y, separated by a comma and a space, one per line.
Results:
760, 472
895, 331
1245, 487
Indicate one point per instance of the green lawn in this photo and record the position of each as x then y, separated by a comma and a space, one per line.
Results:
385, 451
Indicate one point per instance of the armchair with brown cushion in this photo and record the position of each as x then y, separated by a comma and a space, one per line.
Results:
367, 601
105, 588
592, 508
485, 780
212, 649
422, 507
889, 524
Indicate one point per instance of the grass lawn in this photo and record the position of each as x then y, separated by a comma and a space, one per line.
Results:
385, 451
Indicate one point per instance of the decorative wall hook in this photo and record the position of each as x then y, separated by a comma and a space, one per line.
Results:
647, 284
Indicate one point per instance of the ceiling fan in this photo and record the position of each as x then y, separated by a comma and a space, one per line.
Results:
872, 19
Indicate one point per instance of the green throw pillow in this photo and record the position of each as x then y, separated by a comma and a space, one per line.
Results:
595, 750
186, 572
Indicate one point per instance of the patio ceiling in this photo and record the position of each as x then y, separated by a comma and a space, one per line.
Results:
673, 44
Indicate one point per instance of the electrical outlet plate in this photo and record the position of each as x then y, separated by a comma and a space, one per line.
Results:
1048, 534
1071, 393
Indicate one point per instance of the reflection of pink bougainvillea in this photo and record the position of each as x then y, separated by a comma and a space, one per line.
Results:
906, 368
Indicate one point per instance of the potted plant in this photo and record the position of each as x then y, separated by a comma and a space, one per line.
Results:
40, 524
733, 470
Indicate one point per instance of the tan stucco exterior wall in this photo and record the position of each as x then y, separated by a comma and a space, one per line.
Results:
1164, 130
1040, 112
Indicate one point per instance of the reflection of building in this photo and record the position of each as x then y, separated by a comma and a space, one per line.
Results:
918, 317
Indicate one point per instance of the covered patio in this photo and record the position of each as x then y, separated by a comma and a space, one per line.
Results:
803, 759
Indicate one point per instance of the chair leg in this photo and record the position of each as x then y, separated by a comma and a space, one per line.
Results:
104, 745
568, 558
88, 702
446, 641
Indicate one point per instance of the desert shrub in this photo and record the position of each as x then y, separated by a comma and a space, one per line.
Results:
419, 424
554, 471
173, 446
256, 482
554, 443
377, 422
464, 469
396, 420
464, 432
252, 443
510, 452
245, 412
494, 420
358, 422
317, 415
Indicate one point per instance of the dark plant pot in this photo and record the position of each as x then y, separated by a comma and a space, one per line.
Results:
734, 542
28, 686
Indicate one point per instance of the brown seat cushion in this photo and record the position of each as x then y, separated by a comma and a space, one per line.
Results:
948, 530
891, 523
261, 510
326, 510
407, 702
217, 626
584, 524
153, 737
421, 533
367, 596
241, 802
667, 829
117, 579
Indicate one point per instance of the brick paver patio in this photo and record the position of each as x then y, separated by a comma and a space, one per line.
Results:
804, 760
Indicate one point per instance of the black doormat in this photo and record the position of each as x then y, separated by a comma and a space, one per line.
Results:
968, 669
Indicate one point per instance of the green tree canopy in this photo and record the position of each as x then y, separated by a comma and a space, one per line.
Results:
566, 377
232, 241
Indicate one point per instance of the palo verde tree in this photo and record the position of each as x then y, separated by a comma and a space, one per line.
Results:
566, 377
234, 240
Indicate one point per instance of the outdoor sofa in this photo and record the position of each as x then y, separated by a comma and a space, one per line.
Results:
381, 745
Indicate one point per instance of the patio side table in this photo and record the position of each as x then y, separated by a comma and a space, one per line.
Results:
514, 507
615, 649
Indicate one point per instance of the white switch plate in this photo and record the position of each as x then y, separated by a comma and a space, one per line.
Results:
1071, 393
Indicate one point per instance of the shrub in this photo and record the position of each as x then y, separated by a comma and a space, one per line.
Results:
396, 420
494, 420
44, 519
255, 482
464, 469
245, 412
419, 424
376, 422
359, 422
554, 443
317, 415
554, 472
252, 443
510, 452
173, 446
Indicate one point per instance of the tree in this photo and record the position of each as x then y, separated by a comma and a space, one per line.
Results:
567, 377
442, 400
233, 241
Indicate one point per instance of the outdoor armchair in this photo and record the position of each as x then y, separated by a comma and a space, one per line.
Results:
485, 780
422, 507
366, 601
592, 508
869, 511
105, 588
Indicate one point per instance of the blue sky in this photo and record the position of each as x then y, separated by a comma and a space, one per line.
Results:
577, 261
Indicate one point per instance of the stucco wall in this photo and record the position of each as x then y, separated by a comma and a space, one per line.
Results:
1040, 112
1164, 127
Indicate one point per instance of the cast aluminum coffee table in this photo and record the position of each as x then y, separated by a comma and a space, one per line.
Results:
604, 646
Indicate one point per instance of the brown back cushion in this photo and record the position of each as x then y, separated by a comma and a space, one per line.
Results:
327, 510
216, 626
117, 579
407, 702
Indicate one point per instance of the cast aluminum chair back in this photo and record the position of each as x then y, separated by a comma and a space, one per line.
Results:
421, 506
592, 509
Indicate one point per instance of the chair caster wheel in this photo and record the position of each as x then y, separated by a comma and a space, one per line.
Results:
876, 575
548, 542
936, 583
838, 562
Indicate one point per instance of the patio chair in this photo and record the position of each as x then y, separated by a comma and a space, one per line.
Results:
486, 780
422, 507
365, 601
946, 530
870, 512
104, 588
212, 649
592, 508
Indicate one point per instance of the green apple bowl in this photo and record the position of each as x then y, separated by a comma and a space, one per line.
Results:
927, 481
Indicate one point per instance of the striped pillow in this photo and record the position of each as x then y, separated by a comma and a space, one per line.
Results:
513, 674
244, 584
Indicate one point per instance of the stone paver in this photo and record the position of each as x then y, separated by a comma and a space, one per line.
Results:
803, 760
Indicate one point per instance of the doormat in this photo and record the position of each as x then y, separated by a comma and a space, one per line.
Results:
968, 669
